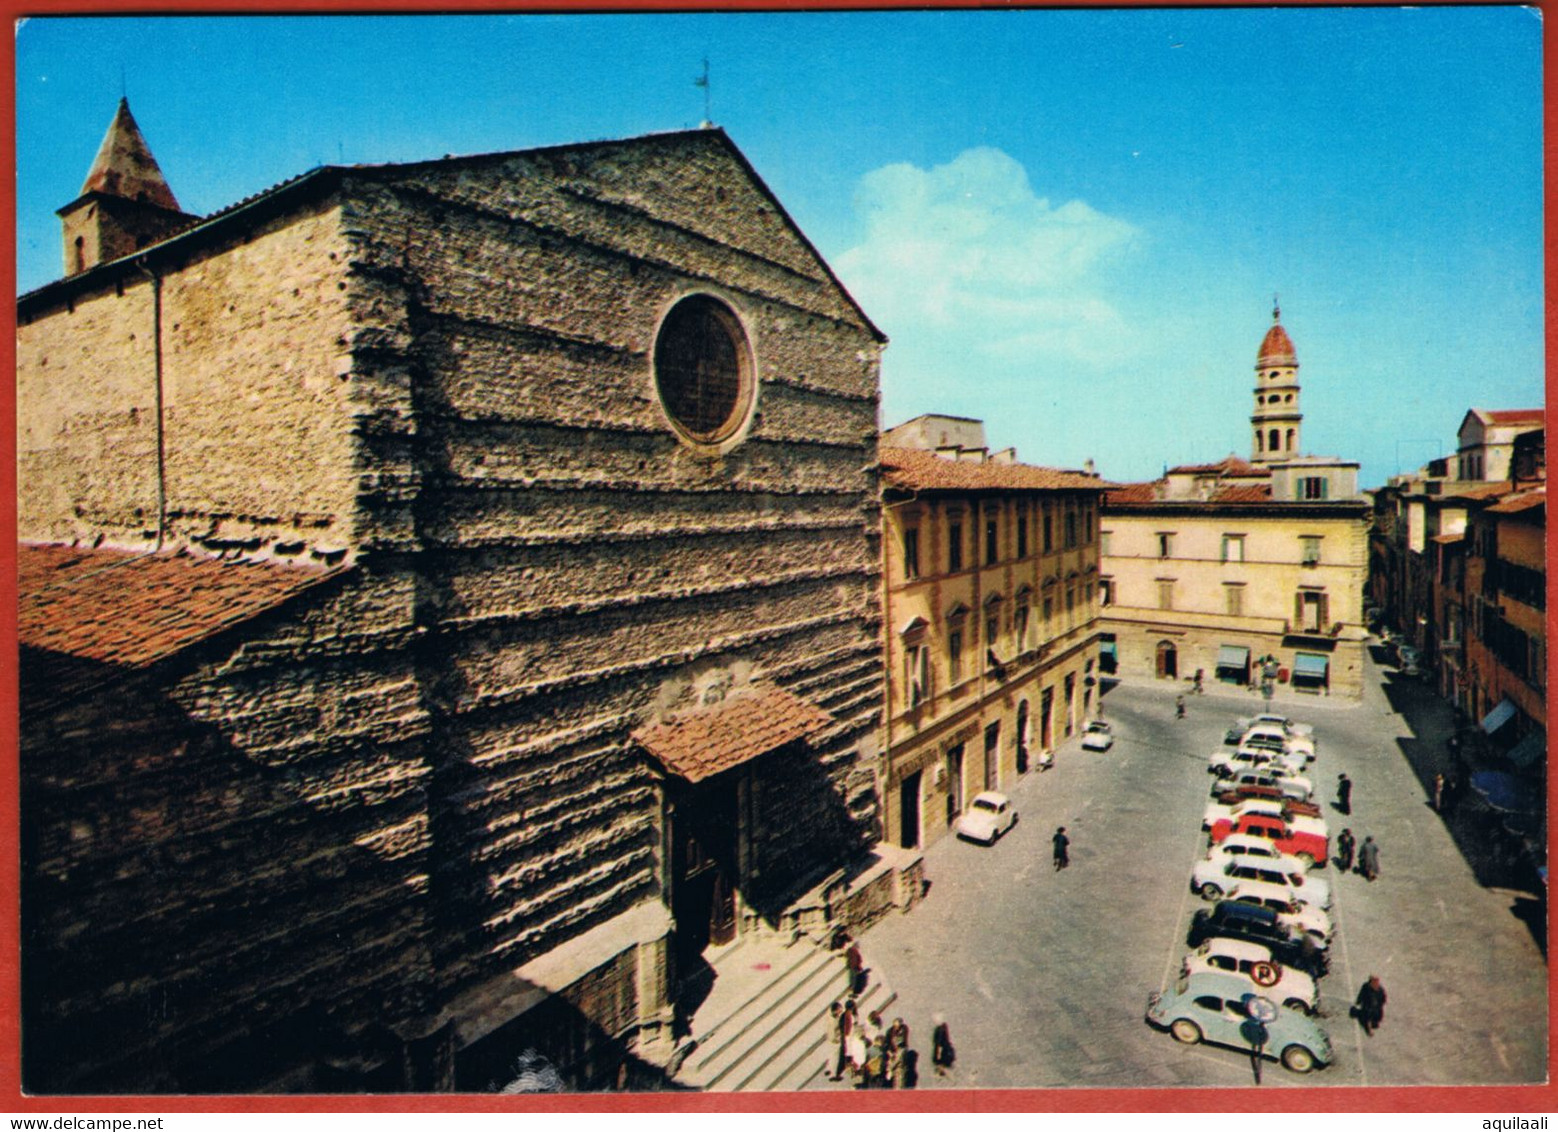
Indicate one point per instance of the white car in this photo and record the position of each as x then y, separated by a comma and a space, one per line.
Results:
1253, 963
1272, 735
988, 816
1098, 736
1225, 763
1271, 718
1294, 786
1217, 811
1282, 900
1292, 761
1223, 871
1259, 851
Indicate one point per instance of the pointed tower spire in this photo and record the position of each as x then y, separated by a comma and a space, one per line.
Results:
125, 203
124, 166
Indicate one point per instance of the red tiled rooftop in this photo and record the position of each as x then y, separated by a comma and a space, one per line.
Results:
1482, 491
1522, 502
703, 743
1132, 493
925, 471
1243, 493
1513, 416
1229, 465
132, 609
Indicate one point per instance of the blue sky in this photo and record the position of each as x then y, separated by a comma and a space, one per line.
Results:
1070, 224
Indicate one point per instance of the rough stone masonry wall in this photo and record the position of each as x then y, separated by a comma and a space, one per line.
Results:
582, 569
257, 434
226, 864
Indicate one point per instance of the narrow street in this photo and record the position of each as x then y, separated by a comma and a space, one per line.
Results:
1043, 976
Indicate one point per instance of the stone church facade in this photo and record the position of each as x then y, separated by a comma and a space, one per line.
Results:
448, 604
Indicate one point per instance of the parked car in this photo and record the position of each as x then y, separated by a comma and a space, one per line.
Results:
1225, 763
1226, 803
1213, 1007
1220, 873
1288, 759
1256, 851
1299, 816
1229, 919
1313, 849
1253, 963
1292, 727
1098, 736
988, 816
1290, 912
1269, 777
1276, 737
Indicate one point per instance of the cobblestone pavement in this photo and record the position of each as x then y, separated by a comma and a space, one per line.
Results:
1043, 976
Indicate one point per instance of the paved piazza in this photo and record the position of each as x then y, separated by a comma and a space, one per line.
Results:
1043, 977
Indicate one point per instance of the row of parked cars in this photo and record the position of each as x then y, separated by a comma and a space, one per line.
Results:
1257, 952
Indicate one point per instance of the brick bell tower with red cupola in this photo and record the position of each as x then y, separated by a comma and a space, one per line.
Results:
1276, 423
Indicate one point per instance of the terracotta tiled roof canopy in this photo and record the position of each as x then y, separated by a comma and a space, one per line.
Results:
925, 471
123, 608
1523, 502
1513, 416
701, 744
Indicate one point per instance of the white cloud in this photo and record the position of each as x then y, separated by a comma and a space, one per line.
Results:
967, 254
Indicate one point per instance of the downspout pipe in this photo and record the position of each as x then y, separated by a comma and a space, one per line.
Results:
156, 338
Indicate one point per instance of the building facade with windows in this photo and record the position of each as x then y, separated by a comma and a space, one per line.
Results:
450, 603
990, 584
1243, 570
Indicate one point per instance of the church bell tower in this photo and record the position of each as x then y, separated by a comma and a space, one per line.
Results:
1276, 423
125, 204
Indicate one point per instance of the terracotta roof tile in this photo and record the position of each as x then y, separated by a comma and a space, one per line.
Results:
1132, 493
1243, 493
925, 471
1481, 491
1522, 502
1276, 349
701, 744
132, 609
1512, 416
1229, 465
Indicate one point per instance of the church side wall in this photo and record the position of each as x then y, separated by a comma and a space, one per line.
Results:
257, 435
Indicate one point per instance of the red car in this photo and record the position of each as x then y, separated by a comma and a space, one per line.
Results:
1310, 848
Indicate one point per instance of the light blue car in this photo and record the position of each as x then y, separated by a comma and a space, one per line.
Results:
1213, 1007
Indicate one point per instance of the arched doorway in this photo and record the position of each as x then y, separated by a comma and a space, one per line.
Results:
1168, 661
1022, 737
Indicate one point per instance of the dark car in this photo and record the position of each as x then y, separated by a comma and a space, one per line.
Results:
1232, 920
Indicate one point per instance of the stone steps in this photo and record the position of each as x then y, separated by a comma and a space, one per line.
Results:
776, 1037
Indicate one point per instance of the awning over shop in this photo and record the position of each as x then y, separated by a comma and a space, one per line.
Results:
1529, 750
1310, 666
1233, 656
704, 743
1498, 716
1506, 792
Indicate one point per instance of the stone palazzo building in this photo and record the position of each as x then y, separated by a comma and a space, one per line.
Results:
990, 570
449, 604
1247, 571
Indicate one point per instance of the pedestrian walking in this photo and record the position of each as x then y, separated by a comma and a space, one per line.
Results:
846, 1038
1346, 843
1439, 793
1199, 676
1343, 794
1369, 1009
898, 1055
857, 967
1062, 843
1179, 707
942, 1055
1368, 859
